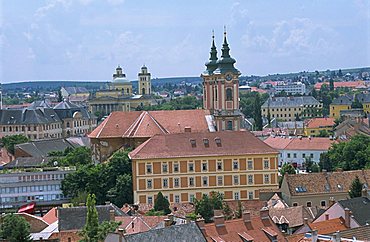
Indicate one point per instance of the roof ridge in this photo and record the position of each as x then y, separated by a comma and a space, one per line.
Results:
135, 124
102, 128
158, 124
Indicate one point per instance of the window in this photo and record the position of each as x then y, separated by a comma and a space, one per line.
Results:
236, 180
150, 200
250, 195
177, 199
309, 204
229, 125
191, 198
165, 182
303, 156
266, 164
164, 168
191, 166
311, 155
219, 165
250, 179
176, 167
295, 204
204, 166
229, 94
149, 168
149, 184
267, 178
295, 155
250, 164
205, 181
191, 181
236, 195
323, 203
235, 164
176, 182
288, 155
220, 181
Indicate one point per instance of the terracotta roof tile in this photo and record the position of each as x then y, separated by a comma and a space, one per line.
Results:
149, 123
236, 229
352, 84
314, 143
330, 182
50, 217
180, 145
328, 226
320, 123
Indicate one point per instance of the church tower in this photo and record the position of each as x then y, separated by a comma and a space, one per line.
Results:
145, 84
221, 89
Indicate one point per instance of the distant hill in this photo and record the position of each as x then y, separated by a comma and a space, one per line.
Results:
91, 85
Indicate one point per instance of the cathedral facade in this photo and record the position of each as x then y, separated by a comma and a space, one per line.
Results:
221, 89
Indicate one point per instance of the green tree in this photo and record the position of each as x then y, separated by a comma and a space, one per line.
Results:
93, 231
60, 96
356, 103
356, 188
161, 204
331, 84
11, 140
287, 168
121, 193
257, 112
208, 204
323, 133
15, 228
351, 155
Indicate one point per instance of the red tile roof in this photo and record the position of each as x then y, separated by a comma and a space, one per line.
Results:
50, 217
314, 143
180, 145
149, 123
138, 224
328, 226
353, 84
320, 122
236, 229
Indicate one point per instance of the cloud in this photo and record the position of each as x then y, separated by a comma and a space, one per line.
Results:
43, 11
115, 2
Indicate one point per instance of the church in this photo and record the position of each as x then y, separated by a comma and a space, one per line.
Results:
119, 95
221, 89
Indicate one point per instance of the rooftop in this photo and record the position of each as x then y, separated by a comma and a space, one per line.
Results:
287, 143
201, 144
320, 123
149, 123
285, 102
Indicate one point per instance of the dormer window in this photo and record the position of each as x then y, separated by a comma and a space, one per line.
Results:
193, 143
206, 142
218, 141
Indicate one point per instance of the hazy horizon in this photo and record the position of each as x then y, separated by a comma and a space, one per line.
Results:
87, 39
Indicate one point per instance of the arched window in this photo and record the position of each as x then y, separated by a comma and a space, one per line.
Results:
229, 94
143, 91
128, 91
229, 125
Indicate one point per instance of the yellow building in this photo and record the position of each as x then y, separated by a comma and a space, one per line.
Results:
339, 104
186, 166
364, 99
120, 96
314, 126
288, 108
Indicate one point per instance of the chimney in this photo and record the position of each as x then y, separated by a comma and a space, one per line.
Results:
107, 203
219, 221
326, 216
167, 222
217, 212
112, 215
200, 223
314, 236
331, 201
187, 129
170, 217
56, 212
305, 221
121, 232
336, 237
364, 192
347, 217
264, 213
246, 217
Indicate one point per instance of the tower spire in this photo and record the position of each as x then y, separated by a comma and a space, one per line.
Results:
212, 63
225, 46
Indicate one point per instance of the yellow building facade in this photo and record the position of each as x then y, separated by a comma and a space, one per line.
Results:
182, 178
336, 108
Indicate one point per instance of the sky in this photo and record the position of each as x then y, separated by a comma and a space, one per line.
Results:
87, 39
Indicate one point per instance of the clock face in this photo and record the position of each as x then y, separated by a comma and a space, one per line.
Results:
229, 77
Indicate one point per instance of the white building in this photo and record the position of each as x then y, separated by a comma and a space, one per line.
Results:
291, 88
296, 150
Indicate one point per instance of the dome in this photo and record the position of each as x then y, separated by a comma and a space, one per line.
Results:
144, 67
121, 80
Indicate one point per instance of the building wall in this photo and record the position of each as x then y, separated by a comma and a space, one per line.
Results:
34, 131
336, 211
233, 180
289, 113
299, 156
366, 107
335, 110
291, 89
316, 131
40, 186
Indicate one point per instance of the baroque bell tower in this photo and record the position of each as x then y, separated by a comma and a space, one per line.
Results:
221, 88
